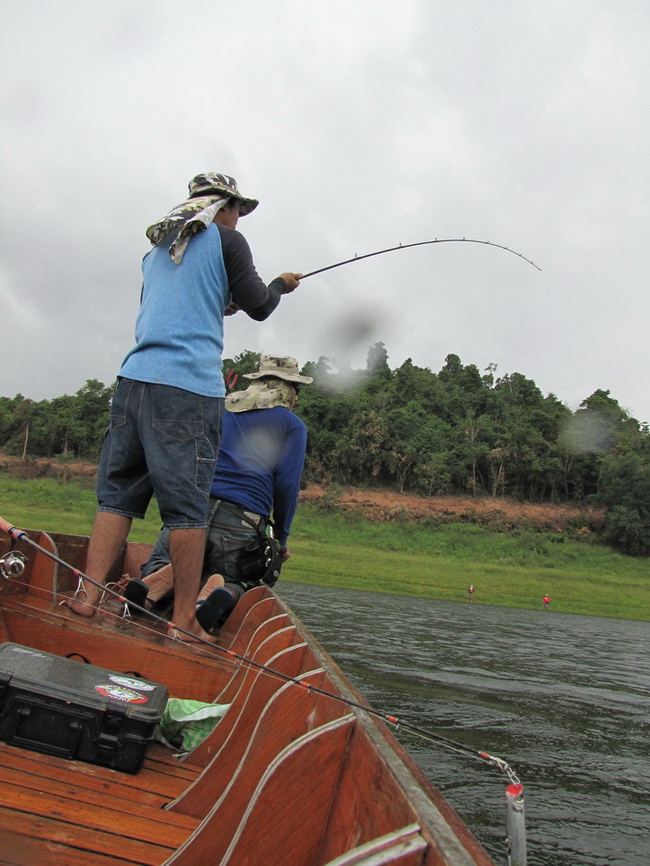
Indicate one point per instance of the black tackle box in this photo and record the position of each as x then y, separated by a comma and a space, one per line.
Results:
64, 707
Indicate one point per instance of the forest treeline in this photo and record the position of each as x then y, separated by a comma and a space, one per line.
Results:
459, 431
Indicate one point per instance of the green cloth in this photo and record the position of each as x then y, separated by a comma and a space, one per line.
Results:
185, 724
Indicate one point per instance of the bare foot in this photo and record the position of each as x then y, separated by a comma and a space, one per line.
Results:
196, 634
81, 608
160, 583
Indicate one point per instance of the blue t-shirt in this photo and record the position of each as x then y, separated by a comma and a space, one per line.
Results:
260, 462
179, 329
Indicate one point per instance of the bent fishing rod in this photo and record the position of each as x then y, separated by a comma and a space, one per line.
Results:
13, 563
357, 258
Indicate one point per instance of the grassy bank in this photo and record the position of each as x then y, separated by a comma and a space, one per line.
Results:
61, 506
514, 569
507, 568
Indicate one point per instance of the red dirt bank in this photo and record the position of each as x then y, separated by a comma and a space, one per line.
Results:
376, 504
384, 505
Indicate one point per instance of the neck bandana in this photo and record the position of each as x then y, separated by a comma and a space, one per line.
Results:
188, 218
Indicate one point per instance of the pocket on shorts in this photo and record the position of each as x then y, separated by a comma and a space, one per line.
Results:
176, 413
204, 472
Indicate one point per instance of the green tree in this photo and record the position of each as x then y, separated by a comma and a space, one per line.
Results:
377, 360
625, 492
18, 430
404, 447
591, 433
362, 454
525, 425
9, 420
91, 408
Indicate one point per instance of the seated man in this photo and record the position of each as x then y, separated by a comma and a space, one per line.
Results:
260, 462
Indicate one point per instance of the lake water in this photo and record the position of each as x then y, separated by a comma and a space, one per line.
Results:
564, 699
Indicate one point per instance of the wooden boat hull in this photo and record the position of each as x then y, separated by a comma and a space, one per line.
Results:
289, 776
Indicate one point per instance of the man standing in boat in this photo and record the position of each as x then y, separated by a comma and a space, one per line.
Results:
261, 458
167, 408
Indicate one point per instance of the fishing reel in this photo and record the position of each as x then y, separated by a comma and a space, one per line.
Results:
12, 564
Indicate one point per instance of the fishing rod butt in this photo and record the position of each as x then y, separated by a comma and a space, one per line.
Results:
5, 526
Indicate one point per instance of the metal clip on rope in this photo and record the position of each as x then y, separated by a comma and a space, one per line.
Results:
503, 766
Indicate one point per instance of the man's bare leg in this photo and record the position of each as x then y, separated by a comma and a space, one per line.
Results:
186, 549
159, 583
109, 533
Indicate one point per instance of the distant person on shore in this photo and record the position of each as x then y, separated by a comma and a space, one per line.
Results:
165, 420
470, 592
545, 601
256, 480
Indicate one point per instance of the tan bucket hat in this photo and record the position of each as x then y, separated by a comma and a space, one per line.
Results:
279, 367
274, 384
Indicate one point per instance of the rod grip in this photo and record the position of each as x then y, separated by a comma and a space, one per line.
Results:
4, 526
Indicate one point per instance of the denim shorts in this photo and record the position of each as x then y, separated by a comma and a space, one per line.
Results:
163, 442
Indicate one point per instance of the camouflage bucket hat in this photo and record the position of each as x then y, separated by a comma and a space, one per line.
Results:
263, 394
279, 367
212, 183
274, 385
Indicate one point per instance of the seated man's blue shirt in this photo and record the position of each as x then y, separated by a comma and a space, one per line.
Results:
260, 463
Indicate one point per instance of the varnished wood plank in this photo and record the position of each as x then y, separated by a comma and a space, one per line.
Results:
441, 826
277, 621
35, 830
66, 772
89, 797
256, 651
231, 739
160, 759
147, 783
80, 818
18, 850
258, 835
260, 611
368, 803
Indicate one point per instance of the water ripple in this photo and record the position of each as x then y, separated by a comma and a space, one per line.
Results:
565, 699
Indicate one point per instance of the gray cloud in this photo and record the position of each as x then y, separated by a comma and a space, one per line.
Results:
359, 126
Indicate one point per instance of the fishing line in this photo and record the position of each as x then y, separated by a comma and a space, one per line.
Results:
560, 326
20, 535
357, 258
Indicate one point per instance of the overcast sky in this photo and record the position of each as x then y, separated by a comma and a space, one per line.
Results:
359, 124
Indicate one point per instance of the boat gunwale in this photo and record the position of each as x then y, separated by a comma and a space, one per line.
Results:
440, 825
